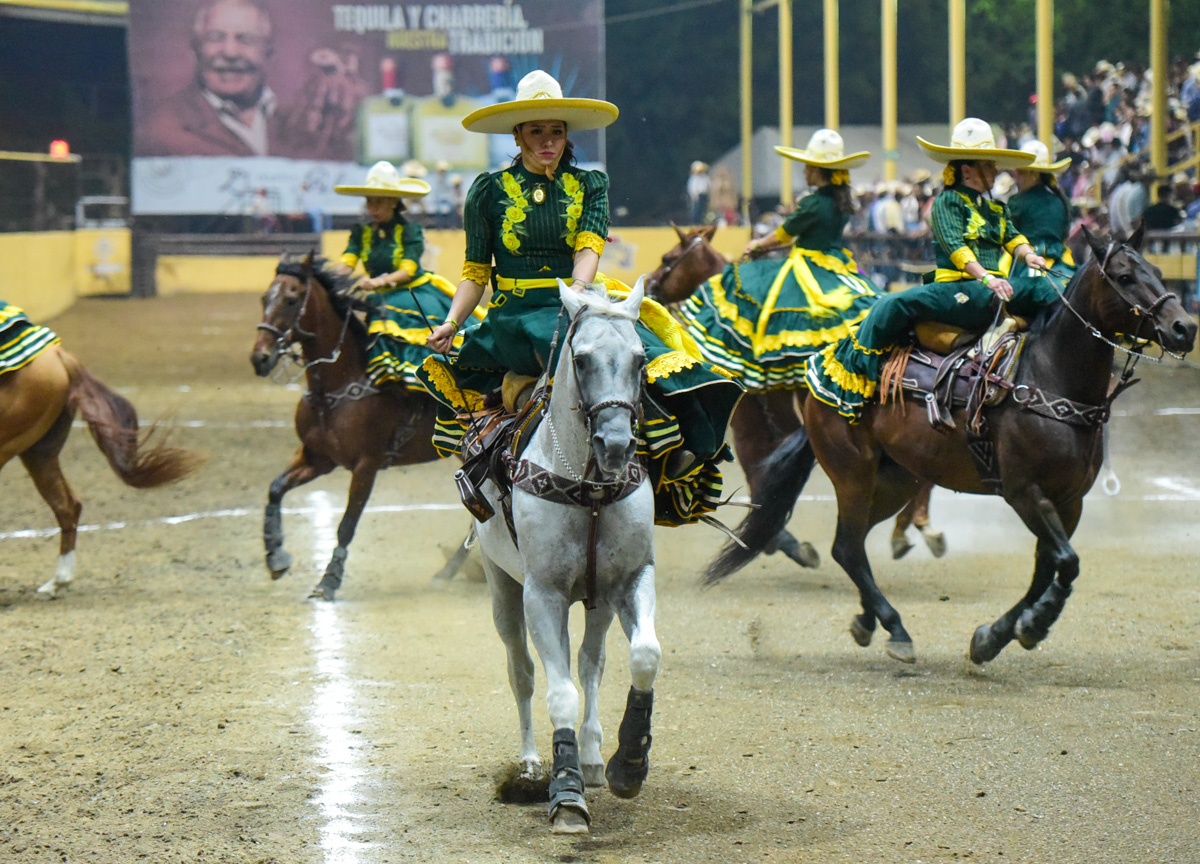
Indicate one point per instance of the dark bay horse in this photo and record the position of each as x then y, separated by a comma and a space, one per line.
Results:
340, 420
763, 419
38, 403
1047, 437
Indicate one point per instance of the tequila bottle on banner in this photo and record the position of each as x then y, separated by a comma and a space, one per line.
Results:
438, 134
500, 147
384, 121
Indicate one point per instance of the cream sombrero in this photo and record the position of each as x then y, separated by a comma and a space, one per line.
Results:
539, 97
825, 149
384, 181
1042, 161
972, 141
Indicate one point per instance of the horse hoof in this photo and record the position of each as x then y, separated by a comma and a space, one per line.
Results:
902, 651
807, 556
593, 775
900, 547
279, 562
1026, 636
982, 649
322, 592
936, 541
861, 633
48, 591
569, 820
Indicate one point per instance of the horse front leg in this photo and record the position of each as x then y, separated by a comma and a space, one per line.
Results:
630, 765
591, 672
546, 607
300, 471
362, 481
990, 639
47, 476
508, 614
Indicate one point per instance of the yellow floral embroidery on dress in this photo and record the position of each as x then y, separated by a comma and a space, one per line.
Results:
514, 213
667, 364
574, 189
443, 380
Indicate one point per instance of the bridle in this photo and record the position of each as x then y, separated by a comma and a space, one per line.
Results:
669, 267
285, 339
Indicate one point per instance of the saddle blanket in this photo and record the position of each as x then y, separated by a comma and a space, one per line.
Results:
21, 341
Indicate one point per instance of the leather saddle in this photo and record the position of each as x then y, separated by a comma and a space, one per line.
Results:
950, 367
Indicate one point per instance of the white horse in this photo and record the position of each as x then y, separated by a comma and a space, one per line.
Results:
584, 450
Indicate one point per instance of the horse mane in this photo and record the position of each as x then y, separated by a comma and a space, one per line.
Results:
1048, 314
597, 300
338, 287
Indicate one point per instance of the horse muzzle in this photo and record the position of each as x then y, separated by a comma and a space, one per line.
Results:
1179, 335
613, 444
263, 359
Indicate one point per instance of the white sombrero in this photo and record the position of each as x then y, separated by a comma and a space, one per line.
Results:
539, 97
825, 149
1041, 160
972, 141
384, 181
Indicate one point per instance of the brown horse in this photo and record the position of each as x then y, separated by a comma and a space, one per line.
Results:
341, 420
766, 418
1047, 437
38, 403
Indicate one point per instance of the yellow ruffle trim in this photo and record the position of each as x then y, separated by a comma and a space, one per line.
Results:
480, 274
588, 240
408, 266
667, 364
1011, 246
961, 257
782, 236
844, 378
349, 259
443, 381
411, 335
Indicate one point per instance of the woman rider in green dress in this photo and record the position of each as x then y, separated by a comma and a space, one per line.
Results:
764, 319
543, 219
975, 246
398, 289
1041, 212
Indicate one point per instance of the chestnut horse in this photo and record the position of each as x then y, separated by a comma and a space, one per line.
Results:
38, 403
341, 420
763, 419
1047, 436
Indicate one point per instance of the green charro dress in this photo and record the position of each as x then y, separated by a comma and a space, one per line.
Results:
21, 341
396, 328
764, 319
1044, 218
531, 227
967, 226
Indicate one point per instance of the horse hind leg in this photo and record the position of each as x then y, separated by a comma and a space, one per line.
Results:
630, 765
43, 467
299, 472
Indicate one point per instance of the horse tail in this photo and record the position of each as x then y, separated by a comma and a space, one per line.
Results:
783, 474
113, 422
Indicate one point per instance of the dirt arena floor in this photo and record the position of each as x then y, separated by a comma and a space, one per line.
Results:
178, 705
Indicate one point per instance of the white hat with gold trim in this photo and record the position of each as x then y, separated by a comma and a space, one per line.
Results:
540, 97
825, 149
384, 181
972, 141
1041, 160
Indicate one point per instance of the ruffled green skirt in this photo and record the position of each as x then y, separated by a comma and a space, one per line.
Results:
397, 328
764, 319
21, 341
688, 403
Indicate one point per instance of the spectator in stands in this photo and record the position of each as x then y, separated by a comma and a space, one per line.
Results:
1164, 215
699, 188
1127, 202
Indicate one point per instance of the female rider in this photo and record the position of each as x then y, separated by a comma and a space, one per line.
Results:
399, 292
543, 219
1041, 213
976, 244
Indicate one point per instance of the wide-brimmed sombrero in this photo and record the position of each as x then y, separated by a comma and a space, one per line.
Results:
1041, 160
384, 181
972, 141
539, 97
825, 149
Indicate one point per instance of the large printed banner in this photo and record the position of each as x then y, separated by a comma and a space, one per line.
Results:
237, 102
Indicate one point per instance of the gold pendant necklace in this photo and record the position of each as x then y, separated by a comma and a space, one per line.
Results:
539, 194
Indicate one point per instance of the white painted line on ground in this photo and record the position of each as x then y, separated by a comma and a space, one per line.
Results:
1177, 489
332, 701
28, 533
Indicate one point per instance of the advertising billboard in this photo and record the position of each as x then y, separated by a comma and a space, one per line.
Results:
237, 100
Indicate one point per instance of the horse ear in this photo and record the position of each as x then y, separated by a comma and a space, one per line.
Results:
632, 305
1135, 239
571, 300
1097, 247
708, 231
679, 233
308, 260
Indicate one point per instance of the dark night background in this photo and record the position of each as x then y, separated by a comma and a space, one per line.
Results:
674, 77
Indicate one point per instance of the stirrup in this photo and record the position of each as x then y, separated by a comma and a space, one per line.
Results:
678, 463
